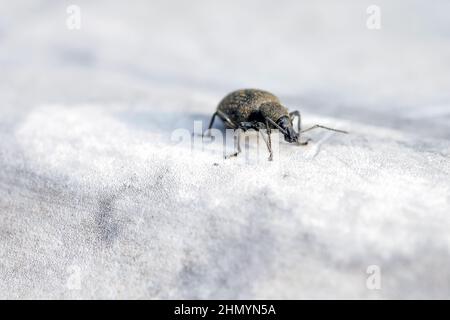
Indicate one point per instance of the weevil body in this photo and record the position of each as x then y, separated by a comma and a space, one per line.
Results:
257, 109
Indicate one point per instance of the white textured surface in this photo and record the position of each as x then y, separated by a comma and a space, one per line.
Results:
89, 180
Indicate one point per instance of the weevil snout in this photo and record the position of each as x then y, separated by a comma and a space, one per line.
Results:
288, 131
291, 136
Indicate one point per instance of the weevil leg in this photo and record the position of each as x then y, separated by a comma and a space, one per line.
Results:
208, 132
238, 145
294, 114
269, 142
256, 125
227, 119
211, 123
297, 114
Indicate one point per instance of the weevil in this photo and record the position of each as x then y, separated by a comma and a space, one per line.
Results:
258, 109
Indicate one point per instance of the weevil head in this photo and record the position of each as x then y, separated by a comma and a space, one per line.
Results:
274, 110
289, 133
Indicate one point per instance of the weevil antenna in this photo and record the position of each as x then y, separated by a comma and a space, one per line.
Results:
276, 125
323, 127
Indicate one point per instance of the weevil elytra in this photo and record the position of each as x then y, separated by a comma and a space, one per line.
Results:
257, 109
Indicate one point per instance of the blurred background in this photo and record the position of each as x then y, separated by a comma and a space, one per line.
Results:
95, 203
319, 56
